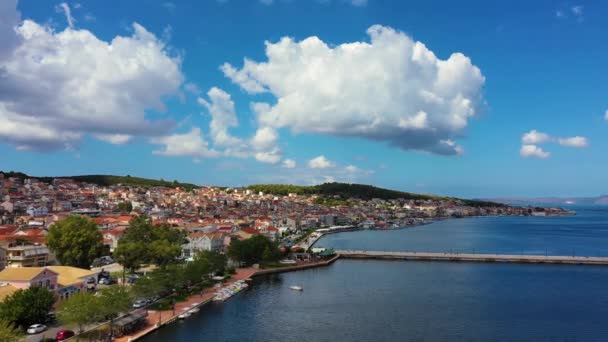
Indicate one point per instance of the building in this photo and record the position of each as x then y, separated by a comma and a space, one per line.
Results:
27, 256
37, 211
62, 280
198, 242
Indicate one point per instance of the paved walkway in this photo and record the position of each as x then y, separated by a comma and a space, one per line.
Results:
159, 318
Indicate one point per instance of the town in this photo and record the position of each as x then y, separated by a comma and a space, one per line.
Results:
191, 221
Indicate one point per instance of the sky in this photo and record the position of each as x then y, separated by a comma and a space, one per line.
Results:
475, 99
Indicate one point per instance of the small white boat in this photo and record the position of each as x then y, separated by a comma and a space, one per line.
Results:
184, 315
194, 310
296, 288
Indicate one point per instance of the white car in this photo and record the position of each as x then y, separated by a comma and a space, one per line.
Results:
36, 328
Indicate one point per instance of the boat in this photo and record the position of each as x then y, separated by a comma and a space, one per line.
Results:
194, 310
184, 315
296, 288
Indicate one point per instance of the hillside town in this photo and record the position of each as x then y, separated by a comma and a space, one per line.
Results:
210, 216
210, 219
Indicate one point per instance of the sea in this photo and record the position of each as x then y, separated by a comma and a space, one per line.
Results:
373, 300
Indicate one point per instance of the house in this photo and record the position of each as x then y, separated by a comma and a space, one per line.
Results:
245, 233
74, 279
62, 280
27, 256
198, 242
23, 278
37, 211
111, 237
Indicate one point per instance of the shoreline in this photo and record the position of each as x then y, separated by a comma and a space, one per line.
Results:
158, 319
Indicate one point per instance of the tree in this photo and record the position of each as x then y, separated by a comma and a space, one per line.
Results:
113, 301
80, 309
76, 241
9, 333
125, 206
254, 250
27, 306
144, 242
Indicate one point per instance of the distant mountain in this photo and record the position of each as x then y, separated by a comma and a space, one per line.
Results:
107, 180
600, 200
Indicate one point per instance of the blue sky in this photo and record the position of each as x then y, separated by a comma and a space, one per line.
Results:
101, 96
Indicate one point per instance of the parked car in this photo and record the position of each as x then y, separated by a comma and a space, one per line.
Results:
63, 335
140, 303
36, 328
106, 281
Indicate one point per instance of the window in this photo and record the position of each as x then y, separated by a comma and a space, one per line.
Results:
48, 283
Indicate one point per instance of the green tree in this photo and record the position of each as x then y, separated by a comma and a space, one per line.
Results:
26, 307
125, 206
144, 242
254, 250
113, 301
80, 309
9, 333
75, 241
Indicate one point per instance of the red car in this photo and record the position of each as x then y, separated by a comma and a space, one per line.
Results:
63, 335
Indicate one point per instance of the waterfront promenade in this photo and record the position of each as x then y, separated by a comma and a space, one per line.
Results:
494, 258
157, 319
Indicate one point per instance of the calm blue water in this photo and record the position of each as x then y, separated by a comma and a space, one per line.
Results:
584, 234
359, 300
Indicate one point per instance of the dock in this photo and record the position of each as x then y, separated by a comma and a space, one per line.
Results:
470, 257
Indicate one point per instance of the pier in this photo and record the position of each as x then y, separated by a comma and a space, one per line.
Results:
491, 258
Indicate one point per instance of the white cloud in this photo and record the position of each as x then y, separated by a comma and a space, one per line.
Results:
56, 87
223, 116
191, 144
578, 142
289, 164
535, 137
391, 89
170, 6
320, 162
533, 151
351, 169
606, 115
116, 139
262, 146
63, 7
559, 14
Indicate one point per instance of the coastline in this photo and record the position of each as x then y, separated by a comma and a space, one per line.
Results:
159, 319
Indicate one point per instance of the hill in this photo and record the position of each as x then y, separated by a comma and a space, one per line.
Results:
106, 180
360, 191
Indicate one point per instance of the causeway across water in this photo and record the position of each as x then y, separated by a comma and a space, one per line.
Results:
511, 258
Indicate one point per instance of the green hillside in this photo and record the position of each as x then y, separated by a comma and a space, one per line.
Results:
361, 191
106, 180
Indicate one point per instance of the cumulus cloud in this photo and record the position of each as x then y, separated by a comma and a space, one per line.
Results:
289, 164
535, 137
534, 151
56, 87
391, 89
320, 162
191, 144
578, 142
262, 146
